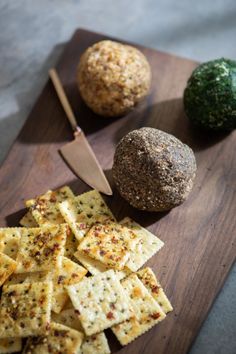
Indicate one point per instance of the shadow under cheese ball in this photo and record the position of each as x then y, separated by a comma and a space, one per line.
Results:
153, 170
210, 95
113, 78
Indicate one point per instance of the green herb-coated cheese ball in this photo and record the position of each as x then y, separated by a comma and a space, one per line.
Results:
210, 95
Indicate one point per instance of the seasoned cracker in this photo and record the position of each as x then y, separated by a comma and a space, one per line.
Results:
147, 246
7, 267
45, 207
16, 279
9, 240
96, 344
85, 210
69, 273
37, 277
20, 278
10, 345
69, 318
41, 248
101, 302
28, 220
150, 281
68, 305
95, 267
61, 339
146, 311
25, 309
71, 245
110, 244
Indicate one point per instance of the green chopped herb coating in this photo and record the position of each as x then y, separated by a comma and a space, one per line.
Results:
210, 95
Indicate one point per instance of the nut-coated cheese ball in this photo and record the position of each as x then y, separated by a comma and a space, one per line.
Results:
113, 78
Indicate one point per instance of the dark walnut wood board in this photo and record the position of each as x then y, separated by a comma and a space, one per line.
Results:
199, 235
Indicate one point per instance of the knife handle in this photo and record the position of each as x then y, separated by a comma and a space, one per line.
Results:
63, 99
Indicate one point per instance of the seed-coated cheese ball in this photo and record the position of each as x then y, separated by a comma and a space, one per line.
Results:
113, 78
153, 170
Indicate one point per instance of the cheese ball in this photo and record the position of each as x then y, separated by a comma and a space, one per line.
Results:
210, 95
113, 78
153, 170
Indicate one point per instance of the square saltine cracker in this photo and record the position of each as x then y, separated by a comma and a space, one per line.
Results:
41, 248
96, 344
28, 220
25, 309
147, 246
150, 281
45, 207
9, 240
69, 318
101, 302
110, 244
146, 311
69, 273
95, 267
7, 267
10, 345
61, 339
84, 211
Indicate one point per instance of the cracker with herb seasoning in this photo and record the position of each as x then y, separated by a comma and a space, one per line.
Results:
9, 240
101, 302
85, 210
150, 281
146, 311
25, 309
147, 246
69, 273
96, 344
41, 248
69, 318
61, 339
71, 245
10, 345
45, 207
28, 220
7, 267
37, 277
16, 279
68, 305
110, 244
20, 278
95, 267
93, 344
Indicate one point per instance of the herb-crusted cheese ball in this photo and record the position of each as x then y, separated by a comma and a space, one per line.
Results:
153, 170
210, 95
113, 78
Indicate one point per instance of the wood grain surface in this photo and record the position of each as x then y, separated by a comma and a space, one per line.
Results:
199, 235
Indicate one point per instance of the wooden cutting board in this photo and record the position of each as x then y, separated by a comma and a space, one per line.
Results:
199, 235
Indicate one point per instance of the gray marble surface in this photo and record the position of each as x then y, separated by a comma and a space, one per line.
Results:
32, 36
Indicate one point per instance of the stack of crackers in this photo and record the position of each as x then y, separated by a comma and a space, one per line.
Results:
72, 271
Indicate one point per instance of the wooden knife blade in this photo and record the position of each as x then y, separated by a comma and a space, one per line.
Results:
82, 160
78, 154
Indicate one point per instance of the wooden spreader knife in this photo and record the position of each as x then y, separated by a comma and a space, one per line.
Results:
78, 153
